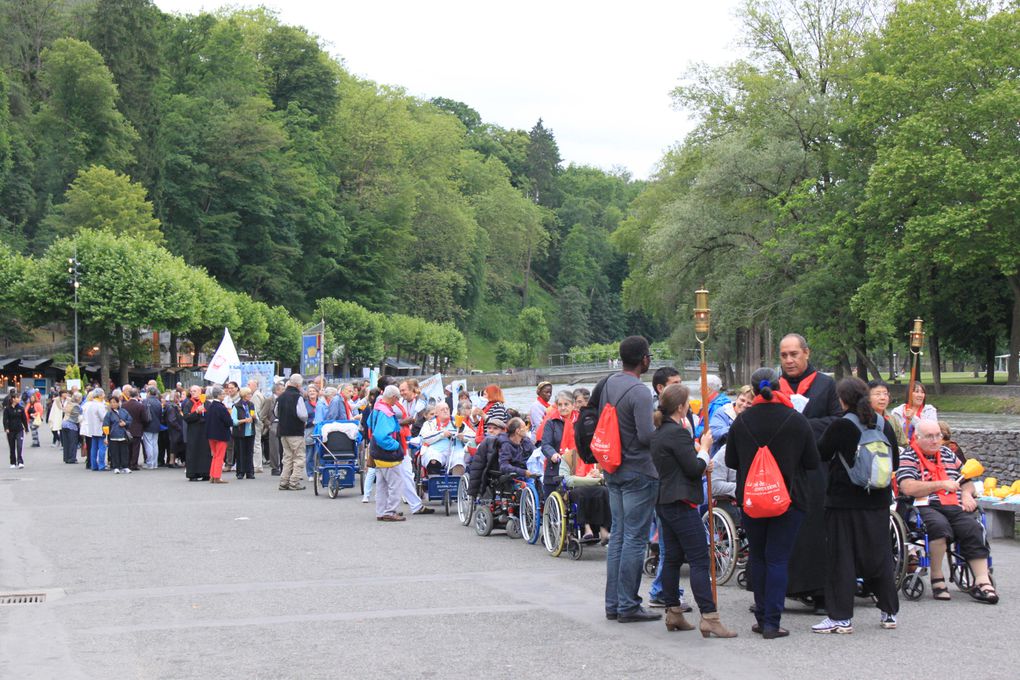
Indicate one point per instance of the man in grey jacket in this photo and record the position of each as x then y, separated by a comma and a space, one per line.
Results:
633, 487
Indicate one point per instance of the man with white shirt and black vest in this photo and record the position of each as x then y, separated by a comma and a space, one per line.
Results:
291, 415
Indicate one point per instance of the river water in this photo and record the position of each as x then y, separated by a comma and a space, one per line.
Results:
521, 398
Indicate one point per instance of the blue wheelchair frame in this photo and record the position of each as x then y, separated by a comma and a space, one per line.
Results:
433, 487
960, 572
334, 471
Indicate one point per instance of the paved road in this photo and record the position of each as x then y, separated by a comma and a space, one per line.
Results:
150, 576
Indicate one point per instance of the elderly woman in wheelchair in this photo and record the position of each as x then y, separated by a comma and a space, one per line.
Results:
930, 476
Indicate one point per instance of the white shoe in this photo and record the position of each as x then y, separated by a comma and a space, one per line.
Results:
366, 499
127, 471
21, 465
116, 471
14, 467
832, 626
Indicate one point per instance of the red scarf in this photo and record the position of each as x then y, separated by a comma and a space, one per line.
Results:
480, 434
936, 473
802, 387
543, 402
405, 430
551, 412
777, 398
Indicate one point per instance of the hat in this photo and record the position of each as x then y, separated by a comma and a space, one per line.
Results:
496, 422
544, 383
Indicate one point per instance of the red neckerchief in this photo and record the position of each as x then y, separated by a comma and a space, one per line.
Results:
567, 441
937, 473
480, 433
777, 398
543, 402
402, 431
917, 412
802, 387
405, 430
347, 408
551, 413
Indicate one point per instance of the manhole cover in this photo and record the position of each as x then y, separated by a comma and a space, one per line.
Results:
22, 598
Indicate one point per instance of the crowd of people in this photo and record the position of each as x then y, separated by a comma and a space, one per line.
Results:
811, 426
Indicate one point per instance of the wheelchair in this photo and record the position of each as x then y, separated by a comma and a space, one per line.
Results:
441, 486
507, 502
336, 459
912, 548
561, 529
731, 547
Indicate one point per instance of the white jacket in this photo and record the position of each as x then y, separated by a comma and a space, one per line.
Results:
92, 414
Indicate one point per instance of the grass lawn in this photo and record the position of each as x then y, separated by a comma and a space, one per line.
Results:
481, 353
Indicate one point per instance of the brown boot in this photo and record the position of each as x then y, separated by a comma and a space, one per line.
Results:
711, 625
675, 619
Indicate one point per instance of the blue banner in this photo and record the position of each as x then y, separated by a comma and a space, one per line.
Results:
260, 371
311, 355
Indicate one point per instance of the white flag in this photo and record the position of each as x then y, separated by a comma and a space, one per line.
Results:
432, 388
225, 364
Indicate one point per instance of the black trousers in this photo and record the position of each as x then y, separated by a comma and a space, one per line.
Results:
118, 452
16, 440
133, 449
69, 439
162, 446
244, 447
858, 546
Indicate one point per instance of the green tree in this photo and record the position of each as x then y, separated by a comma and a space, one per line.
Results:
510, 353
103, 199
464, 113
571, 329
354, 335
78, 123
533, 332
284, 343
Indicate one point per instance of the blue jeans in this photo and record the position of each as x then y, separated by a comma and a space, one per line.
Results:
631, 500
655, 591
369, 482
97, 454
771, 542
683, 532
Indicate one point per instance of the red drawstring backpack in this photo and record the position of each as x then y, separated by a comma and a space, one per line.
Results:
765, 492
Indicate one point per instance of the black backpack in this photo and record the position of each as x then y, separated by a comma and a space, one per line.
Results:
587, 421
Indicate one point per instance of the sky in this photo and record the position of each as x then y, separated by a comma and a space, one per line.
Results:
598, 73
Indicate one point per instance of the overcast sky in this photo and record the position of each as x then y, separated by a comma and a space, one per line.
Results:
598, 73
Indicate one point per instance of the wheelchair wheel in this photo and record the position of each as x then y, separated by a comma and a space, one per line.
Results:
651, 564
513, 528
727, 545
963, 576
742, 578
361, 481
465, 504
554, 524
484, 521
530, 521
575, 549
315, 482
898, 544
446, 502
913, 586
334, 485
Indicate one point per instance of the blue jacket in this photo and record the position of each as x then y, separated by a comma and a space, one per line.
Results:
720, 400
217, 421
513, 458
112, 420
385, 428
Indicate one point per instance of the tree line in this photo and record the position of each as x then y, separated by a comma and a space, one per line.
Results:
238, 144
859, 168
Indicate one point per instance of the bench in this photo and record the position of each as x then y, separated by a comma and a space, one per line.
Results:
1000, 517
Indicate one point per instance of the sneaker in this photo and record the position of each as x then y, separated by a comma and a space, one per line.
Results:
14, 467
297, 487
366, 499
21, 465
829, 626
116, 471
127, 471
656, 602
888, 621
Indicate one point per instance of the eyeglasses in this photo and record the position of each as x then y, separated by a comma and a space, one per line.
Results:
930, 437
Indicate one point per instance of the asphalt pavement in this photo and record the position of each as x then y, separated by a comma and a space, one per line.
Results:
152, 576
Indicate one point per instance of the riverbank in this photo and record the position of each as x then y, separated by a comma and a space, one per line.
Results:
975, 404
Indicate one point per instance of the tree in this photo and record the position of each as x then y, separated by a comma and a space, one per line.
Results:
532, 332
128, 33
353, 333
510, 353
284, 343
78, 123
464, 113
946, 168
572, 323
101, 199
543, 163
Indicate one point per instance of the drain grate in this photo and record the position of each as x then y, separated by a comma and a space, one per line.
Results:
22, 598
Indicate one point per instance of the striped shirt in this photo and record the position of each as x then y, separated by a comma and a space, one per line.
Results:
910, 468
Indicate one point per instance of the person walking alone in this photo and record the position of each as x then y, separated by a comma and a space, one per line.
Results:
15, 424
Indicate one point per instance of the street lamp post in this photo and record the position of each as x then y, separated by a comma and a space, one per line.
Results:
74, 272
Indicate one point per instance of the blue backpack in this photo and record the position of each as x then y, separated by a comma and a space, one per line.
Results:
873, 467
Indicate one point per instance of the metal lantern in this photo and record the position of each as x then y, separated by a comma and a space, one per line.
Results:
702, 313
917, 336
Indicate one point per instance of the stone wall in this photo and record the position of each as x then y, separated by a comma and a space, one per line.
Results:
998, 451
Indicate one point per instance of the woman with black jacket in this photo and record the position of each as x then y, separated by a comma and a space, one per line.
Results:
681, 468
856, 519
771, 420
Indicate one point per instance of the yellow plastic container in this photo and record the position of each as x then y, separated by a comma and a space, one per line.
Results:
991, 483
